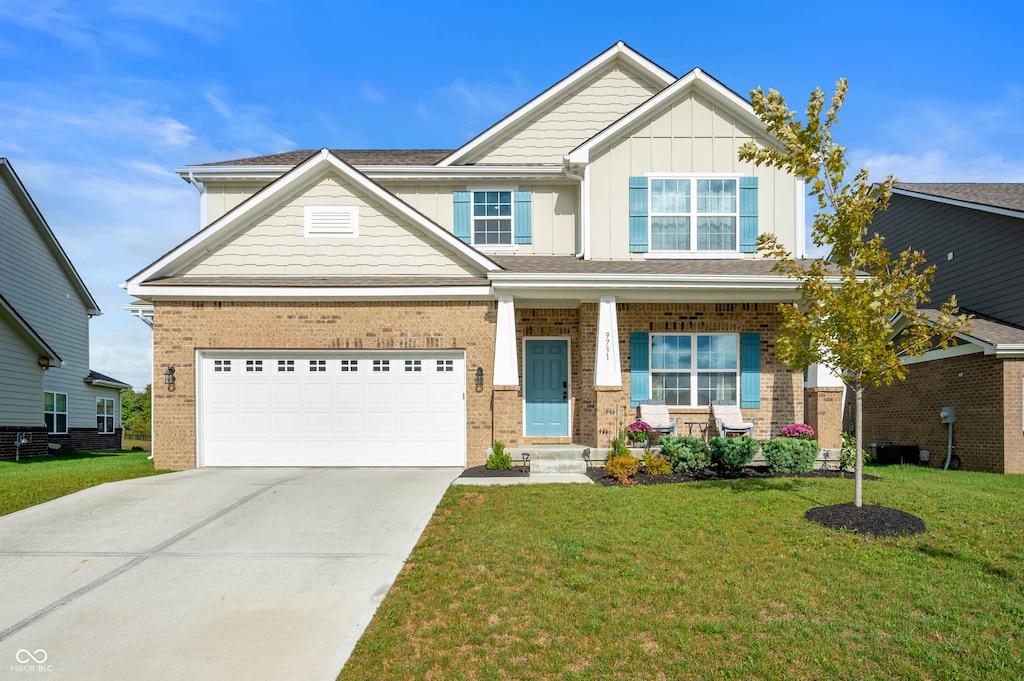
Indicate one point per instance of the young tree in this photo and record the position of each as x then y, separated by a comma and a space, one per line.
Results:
849, 301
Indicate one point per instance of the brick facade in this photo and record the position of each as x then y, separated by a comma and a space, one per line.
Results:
183, 328
987, 395
37, 447
76, 439
88, 439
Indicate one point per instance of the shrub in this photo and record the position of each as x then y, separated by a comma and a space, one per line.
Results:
686, 454
733, 453
801, 431
619, 448
498, 459
656, 465
790, 455
622, 467
846, 457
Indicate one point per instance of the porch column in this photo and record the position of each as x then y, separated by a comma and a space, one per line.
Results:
607, 369
506, 364
823, 405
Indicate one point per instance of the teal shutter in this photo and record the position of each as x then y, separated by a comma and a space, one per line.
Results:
639, 368
750, 370
463, 218
638, 215
524, 217
748, 215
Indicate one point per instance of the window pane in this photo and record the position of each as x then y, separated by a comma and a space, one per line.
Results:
670, 196
670, 234
62, 423
101, 423
110, 407
716, 234
49, 422
47, 401
716, 196
716, 352
491, 232
670, 352
673, 388
101, 409
62, 403
715, 386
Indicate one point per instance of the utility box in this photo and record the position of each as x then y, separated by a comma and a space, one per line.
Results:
948, 414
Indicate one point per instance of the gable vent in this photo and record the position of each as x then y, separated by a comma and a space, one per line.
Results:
331, 221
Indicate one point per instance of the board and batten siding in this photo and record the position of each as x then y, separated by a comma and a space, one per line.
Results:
21, 379
37, 286
553, 209
219, 198
549, 134
274, 244
987, 252
693, 136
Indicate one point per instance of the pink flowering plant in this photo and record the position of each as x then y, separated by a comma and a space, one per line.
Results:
638, 431
800, 431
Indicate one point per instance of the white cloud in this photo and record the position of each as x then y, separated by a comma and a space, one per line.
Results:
246, 124
942, 166
369, 93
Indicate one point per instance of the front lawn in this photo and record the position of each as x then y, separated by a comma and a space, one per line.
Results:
709, 580
32, 481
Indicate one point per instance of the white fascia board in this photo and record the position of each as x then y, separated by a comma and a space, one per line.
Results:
559, 89
157, 293
1009, 350
109, 384
694, 79
963, 204
270, 173
222, 228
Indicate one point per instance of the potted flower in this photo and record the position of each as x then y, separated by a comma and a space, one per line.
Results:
638, 431
800, 431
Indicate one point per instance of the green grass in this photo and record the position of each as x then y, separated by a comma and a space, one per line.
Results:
717, 580
32, 481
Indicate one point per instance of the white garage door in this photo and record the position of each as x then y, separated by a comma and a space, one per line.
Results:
332, 409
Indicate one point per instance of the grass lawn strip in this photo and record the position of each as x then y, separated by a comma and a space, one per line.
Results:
704, 580
34, 480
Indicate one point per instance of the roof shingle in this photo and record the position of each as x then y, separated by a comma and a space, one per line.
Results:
1007, 195
355, 157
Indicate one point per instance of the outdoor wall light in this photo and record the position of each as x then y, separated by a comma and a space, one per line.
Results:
169, 378
479, 379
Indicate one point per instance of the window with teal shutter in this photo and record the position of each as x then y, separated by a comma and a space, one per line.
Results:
748, 215
639, 368
750, 370
638, 215
463, 218
523, 217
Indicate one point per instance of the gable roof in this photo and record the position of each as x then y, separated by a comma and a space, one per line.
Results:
355, 157
36, 218
235, 219
1005, 198
96, 378
620, 51
42, 347
694, 80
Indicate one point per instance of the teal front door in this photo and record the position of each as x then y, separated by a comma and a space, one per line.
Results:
547, 387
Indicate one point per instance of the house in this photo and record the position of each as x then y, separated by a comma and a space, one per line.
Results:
48, 394
593, 248
974, 235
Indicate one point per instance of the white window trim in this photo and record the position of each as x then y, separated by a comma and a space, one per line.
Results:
55, 412
692, 253
311, 230
493, 248
112, 416
694, 371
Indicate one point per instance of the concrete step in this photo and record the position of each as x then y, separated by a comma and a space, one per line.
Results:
552, 459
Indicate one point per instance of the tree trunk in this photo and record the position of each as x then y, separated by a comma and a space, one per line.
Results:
858, 466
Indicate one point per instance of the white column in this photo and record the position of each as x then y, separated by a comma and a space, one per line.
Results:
607, 370
506, 365
822, 376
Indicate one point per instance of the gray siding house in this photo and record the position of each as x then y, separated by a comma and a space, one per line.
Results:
974, 235
47, 392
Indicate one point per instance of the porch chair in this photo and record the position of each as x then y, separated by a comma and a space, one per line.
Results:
655, 414
729, 419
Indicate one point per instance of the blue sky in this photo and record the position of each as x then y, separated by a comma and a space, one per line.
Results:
100, 100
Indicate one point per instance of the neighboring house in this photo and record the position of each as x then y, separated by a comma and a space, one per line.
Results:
974, 235
593, 248
47, 392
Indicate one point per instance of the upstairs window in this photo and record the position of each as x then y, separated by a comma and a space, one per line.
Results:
693, 214
492, 218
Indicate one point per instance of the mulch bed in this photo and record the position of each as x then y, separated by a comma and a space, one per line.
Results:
483, 472
599, 476
878, 521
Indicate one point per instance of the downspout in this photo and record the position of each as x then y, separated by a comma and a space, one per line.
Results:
584, 250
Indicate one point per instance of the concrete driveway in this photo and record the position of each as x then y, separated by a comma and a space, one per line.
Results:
207, 574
